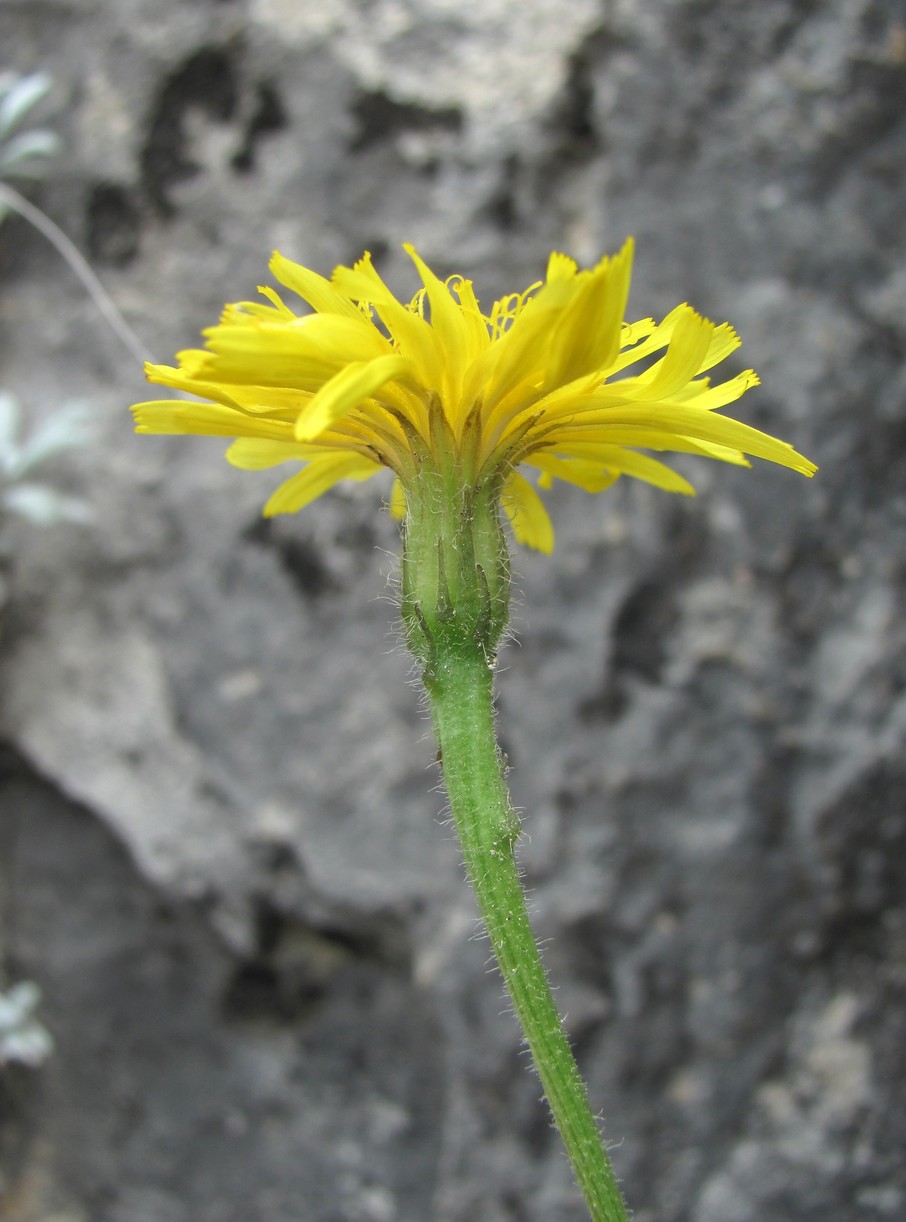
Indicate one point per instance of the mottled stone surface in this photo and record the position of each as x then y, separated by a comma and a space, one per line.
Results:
223, 853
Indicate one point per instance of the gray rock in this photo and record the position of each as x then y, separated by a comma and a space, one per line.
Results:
224, 857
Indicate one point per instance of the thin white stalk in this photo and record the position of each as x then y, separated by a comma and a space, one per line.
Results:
71, 255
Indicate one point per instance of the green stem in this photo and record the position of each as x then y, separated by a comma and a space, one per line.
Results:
460, 692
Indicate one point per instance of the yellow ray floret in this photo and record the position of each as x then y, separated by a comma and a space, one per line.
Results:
553, 379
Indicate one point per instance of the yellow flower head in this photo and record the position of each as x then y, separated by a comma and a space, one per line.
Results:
552, 379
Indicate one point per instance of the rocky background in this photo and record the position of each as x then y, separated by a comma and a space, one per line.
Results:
224, 857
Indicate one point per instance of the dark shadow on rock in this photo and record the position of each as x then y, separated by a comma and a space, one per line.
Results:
180, 1088
379, 117
112, 224
207, 81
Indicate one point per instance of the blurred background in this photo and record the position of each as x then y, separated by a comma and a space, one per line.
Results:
240, 977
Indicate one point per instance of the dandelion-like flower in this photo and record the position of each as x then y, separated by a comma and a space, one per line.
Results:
552, 380
459, 404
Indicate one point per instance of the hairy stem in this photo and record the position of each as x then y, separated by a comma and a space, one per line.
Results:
460, 692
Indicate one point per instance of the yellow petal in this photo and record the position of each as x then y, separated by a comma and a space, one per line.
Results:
592, 476
560, 268
276, 301
588, 334
316, 290
706, 398
347, 390
446, 315
689, 345
530, 520
397, 501
723, 342
282, 401
643, 467
641, 339
628, 425
179, 379
315, 479
210, 419
258, 453
411, 333
582, 444
303, 353
518, 355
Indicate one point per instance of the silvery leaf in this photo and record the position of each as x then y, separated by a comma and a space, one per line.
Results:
18, 95
25, 147
43, 505
17, 1003
31, 1046
66, 429
22, 1038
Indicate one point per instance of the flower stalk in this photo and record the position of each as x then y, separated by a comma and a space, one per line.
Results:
455, 576
461, 701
